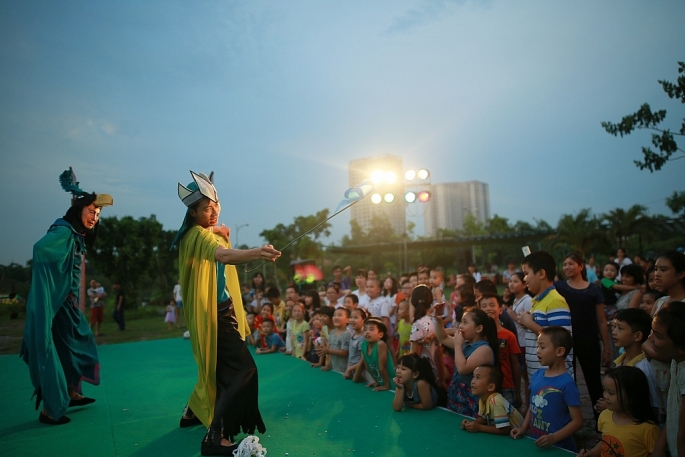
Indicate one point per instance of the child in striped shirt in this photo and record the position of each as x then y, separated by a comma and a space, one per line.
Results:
549, 307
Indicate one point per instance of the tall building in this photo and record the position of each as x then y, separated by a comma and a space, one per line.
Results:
451, 202
389, 175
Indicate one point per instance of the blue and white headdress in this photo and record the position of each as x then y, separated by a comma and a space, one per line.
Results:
200, 188
203, 188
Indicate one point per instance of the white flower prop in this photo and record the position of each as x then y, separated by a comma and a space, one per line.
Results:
250, 447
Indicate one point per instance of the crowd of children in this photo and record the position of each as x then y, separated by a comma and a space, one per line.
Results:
507, 362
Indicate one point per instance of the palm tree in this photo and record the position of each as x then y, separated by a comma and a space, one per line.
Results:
580, 232
622, 224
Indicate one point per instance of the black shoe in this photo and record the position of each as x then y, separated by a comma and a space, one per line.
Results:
190, 418
47, 420
189, 422
81, 401
217, 449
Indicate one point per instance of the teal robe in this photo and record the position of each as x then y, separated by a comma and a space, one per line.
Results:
58, 344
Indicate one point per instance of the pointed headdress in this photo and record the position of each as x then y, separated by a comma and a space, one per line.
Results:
200, 188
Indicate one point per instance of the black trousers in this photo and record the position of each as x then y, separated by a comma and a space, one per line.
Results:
237, 388
589, 354
118, 317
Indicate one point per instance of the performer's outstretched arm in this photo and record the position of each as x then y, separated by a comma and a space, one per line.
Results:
237, 256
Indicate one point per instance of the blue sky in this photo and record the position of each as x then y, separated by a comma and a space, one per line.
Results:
278, 97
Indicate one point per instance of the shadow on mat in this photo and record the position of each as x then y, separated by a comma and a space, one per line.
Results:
177, 442
26, 426
378, 427
36, 425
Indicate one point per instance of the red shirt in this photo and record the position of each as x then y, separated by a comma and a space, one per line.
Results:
508, 346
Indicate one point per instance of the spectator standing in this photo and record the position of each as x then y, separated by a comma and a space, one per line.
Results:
97, 295
554, 414
549, 308
118, 314
422, 337
390, 292
344, 280
179, 305
473, 271
669, 279
312, 303
360, 281
591, 271
586, 302
337, 348
508, 353
170, 315
273, 294
509, 272
258, 283
621, 260
377, 305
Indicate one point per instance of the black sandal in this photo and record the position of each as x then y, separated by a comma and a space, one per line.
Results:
83, 401
189, 418
210, 445
44, 419
216, 449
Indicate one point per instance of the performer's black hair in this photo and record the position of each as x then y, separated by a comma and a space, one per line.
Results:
73, 216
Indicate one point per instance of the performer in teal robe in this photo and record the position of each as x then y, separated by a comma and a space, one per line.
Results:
58, 344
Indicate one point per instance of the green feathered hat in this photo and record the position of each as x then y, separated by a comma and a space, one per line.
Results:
68, 181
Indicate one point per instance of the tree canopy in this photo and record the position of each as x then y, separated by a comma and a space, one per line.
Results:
135, 252
644, 118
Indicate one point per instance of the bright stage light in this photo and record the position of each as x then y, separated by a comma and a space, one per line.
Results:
424, 196
389, 198
376, 198
410, 175
390, 177
377, 176
410, 197
423, 174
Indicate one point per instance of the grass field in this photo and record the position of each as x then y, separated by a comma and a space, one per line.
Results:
141, 325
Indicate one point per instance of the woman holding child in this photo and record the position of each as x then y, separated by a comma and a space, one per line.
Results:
225, 396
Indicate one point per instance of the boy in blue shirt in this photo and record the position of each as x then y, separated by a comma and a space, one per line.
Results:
554, 414
272, 341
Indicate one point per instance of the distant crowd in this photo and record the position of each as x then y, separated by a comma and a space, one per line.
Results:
506, 361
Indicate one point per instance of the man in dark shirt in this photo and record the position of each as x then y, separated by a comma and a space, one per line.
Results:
118, 313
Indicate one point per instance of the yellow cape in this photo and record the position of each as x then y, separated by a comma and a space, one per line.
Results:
197, 271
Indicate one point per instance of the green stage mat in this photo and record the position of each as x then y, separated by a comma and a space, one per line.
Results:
307, 413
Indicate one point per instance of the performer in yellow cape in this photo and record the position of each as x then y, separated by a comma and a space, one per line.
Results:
225, 398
